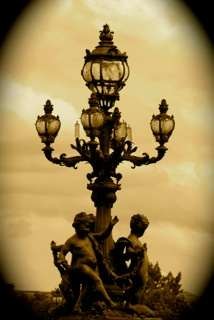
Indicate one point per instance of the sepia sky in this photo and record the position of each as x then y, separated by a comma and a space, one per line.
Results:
169, 57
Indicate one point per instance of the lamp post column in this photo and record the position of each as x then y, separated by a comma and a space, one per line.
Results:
104, 197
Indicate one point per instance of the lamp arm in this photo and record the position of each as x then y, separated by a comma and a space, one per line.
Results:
83, 148
145, 159
62, 160
48, 150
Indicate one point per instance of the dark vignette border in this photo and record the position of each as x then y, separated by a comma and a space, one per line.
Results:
9, 13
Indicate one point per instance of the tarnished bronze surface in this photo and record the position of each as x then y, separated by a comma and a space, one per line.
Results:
98, 277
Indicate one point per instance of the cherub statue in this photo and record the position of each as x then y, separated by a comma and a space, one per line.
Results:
131, 249
65, 285
83, 271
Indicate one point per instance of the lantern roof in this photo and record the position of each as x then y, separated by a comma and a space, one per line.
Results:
106, 48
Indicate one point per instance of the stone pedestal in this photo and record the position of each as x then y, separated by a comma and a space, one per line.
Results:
107, 317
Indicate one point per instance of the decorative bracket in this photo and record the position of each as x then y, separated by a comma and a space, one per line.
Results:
145, 159
63, 160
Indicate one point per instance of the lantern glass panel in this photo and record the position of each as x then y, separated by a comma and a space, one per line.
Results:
53, 126
126, 71
86, 73
155, 126
167, 125
97, 120
85, 120
112, 70
96, 71
40, 126
120, 132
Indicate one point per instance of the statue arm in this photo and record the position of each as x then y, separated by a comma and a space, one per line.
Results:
54, 247
132, 252
64, 250
106, 232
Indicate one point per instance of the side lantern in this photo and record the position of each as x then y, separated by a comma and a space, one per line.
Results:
48, 125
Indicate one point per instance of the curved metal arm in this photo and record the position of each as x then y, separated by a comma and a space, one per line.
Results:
62, 160
81, 146
145, 159
71, 161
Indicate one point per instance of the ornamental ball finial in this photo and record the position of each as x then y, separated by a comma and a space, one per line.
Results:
163, 107
106, 35
48, 107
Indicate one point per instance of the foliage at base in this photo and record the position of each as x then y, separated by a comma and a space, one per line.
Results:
164, 294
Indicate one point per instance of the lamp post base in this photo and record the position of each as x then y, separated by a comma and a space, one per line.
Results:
91, 317
109, 316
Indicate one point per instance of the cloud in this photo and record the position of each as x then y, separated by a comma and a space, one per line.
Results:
152, 9
19, 141
182, 173
31, 255
162, 20
182, 249
187, 174
50, 205
16, 227
63, 6
28, 103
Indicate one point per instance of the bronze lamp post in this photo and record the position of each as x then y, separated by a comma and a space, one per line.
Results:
109, 142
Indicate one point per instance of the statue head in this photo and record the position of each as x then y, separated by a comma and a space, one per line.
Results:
139, 224
83, 223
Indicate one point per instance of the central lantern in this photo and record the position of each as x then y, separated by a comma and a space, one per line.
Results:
105, 70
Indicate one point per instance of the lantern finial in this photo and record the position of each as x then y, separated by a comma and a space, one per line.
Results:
163, 106
48, 107
106, 35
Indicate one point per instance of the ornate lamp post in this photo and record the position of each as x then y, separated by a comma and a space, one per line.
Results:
109, 139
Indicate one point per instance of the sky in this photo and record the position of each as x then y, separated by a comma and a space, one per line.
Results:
169, 57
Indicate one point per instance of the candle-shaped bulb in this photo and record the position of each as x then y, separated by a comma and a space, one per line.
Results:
77, 130
129, 133
124, 129
120, 132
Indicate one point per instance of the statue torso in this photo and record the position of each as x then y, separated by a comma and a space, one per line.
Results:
82, 251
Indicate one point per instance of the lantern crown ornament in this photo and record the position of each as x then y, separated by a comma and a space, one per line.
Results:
105, 70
